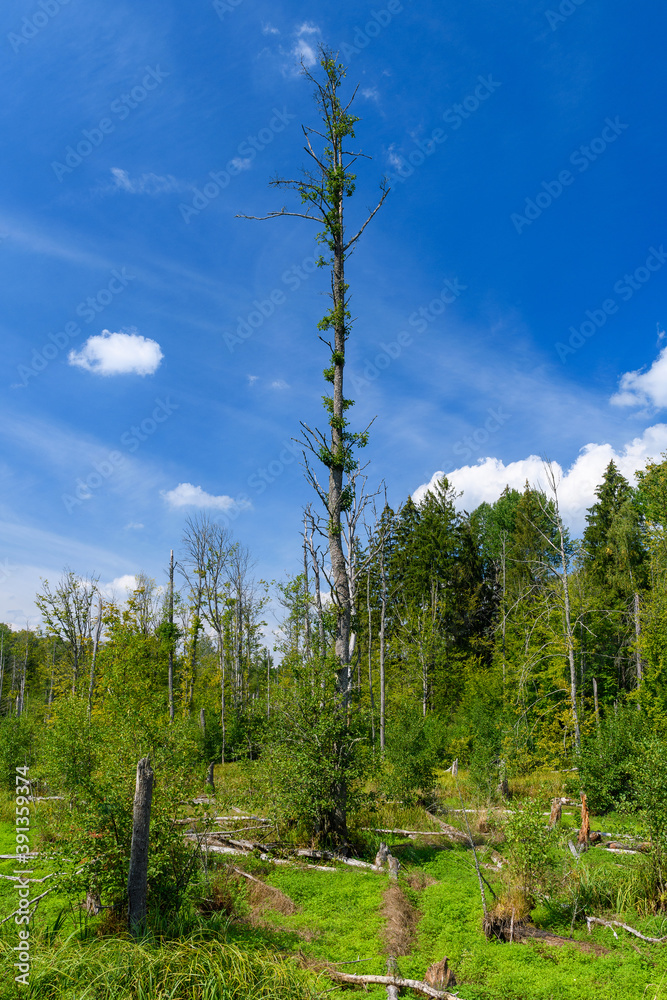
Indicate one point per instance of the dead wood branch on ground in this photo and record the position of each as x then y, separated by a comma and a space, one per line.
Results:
626, 927
406, 984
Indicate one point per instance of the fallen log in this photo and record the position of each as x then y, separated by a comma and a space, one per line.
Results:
450, 831
404, 984
243, 815
404, 833
307, 852
626, 927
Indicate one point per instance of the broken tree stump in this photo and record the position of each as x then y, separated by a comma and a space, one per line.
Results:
585, 830
137, 880
556, 813
440, 975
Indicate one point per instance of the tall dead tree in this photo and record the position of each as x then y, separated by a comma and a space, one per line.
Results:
323, 190
170, 614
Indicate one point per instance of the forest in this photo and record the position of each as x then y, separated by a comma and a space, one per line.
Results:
382, 772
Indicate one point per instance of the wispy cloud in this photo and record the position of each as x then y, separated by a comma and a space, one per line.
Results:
187, 495
304, 51
241, 164
279, 384
644, 388
268, 29
150, 184
118, 354
371, 94
394, 158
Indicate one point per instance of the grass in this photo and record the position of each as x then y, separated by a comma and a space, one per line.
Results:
269, 948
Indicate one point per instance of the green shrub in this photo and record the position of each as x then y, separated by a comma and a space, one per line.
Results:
17, 746
316, 762
413, 748
607, 761
530, 863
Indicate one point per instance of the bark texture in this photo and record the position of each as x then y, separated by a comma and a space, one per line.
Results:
137, 880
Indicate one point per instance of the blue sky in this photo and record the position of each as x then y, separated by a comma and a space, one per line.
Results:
159, 352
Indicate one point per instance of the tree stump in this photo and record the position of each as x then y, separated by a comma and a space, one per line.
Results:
439, 975
210, 782
585, 831
137, 880
93, 903
556, 813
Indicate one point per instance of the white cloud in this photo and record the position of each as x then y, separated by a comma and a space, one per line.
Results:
486, 480
644, 388
268, 29
305, 53
151, 184
118, 354
187, 495
241, 164
279, 384
371, 94
133, 526
252, 379
125, 583
303, 50
395, 159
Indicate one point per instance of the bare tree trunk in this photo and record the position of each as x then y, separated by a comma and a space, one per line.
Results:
93, 660
171, 641
370, 652
2, 666
221, 653
306, 611
137, 880
638, 655
268, 684
383, 610
595, 700
24, 671
569, 637
210, 777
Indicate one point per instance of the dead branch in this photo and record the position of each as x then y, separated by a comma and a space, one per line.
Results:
406, 984
31, 902
405, 833
626, 927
